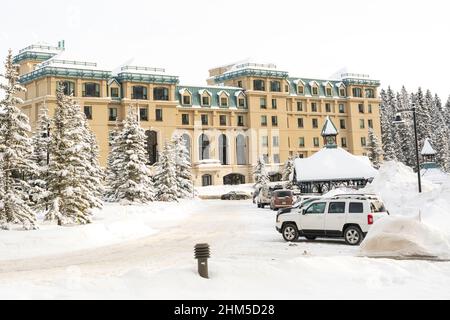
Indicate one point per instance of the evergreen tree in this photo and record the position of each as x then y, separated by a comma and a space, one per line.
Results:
374, 149
260, 175
423, 113
111, 172
41, 157
440, 136
72, 184
185, 188
165, 178
447, 112
129, 178
387, 109
15, 154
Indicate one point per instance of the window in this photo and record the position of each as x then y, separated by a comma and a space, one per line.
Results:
315, 91
275, 86
241, 150
341, 108
299, 106
241, 102
69, 87
262, 103
327, 107
264, 121
224, 102
316, 208
206, 180
239, 84
91, 90
223, 149
143, 114
313, 107
275, 141
361, 124
276, 158
161, 94
370, 122
265, 141
205, 101
300, 89
344, 142
223, 120
301, 142
316, 142
88, 112
159, 114
112, 114
139, 93
357, 92
363, 141
361, 108
204, 119
342, 92
274, 103
240, 121
204, 145
329, 92
356, 207
185, 119
315, 123
370, 93
336, 207
186, 100
114, 92
286, 88
300, 122
259, 85
342, 123
275, 121
369, 109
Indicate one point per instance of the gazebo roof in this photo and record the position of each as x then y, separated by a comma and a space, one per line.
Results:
333, 165
329, 129
427, 149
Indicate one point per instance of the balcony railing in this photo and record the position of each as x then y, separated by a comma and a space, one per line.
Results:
42, 47
135, 68
139, 96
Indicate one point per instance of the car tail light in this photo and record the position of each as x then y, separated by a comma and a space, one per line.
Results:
370, 219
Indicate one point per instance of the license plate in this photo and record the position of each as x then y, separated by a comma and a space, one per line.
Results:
284, 202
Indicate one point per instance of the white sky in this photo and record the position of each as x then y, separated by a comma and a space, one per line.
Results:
398, 42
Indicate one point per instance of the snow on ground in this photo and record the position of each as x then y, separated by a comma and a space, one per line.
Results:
113, 224
220, 190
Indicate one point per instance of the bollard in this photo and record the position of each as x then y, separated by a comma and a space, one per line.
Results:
202, 254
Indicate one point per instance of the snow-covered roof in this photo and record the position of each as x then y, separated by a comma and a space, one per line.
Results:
327, 83
329, 128
333, 164
203, 91
223, 92
313, 83
238, 93
42, 47
427, 149
340, 84
298, 81
142, 70
184, 90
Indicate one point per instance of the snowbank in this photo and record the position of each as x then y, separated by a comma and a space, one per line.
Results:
220, 190
404, 237
114, 224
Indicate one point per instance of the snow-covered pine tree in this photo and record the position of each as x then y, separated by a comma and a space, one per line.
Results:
15, 154
423, 114
404, 132
374, 149
165, 178
387, 109
440, 136
132, 182
185, 188
447, 112
41, 157
72, 187
399, 152
260, 175
111, 173
288, 173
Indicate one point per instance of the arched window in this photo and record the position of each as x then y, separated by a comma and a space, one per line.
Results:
204, 145
234, 179
223, 149
152, 146
206, 180
241, 150
187, 143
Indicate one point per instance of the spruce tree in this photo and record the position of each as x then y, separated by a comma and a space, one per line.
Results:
165, 178
129, 179
260, 175
374, 149
111, 172
185, 188
15, 154
423, 113
387, 109
440, 135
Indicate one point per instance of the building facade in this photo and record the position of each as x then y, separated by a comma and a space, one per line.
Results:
245, 111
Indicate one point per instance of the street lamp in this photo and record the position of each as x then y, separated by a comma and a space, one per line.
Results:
398, 119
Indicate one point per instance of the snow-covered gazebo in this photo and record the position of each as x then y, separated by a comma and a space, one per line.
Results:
332, 167
429, 168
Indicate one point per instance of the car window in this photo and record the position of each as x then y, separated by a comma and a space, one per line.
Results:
336, 207
316, 208
356, 207
377, 206
283, 194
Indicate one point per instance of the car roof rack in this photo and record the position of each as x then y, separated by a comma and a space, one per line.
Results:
356, 196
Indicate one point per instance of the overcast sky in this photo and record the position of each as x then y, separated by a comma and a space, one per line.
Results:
397, 42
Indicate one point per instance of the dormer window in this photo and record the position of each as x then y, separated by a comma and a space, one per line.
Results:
328, 92
259, 85
224, 102
241, 102
186, 100
314, 88
205, 101
315, 91
114, 92
342, 92
301, 89
205, 97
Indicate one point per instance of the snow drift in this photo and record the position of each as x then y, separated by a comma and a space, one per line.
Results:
404, 237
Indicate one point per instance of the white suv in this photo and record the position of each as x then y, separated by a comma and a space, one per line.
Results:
342, 216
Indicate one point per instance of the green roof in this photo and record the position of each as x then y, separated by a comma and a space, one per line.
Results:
196, 97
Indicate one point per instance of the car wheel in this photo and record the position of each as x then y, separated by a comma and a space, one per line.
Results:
353, 235
290, 232
310, 238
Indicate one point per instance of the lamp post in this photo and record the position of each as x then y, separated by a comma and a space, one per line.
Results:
397, 120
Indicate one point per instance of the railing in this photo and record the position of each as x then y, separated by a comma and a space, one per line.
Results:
35, 46
125, 68
70, 62
139, 96
257, 65
355, 75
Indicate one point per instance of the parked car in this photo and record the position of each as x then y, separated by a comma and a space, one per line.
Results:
303, 201
281, 199
344, 216
235, 195
265, 195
